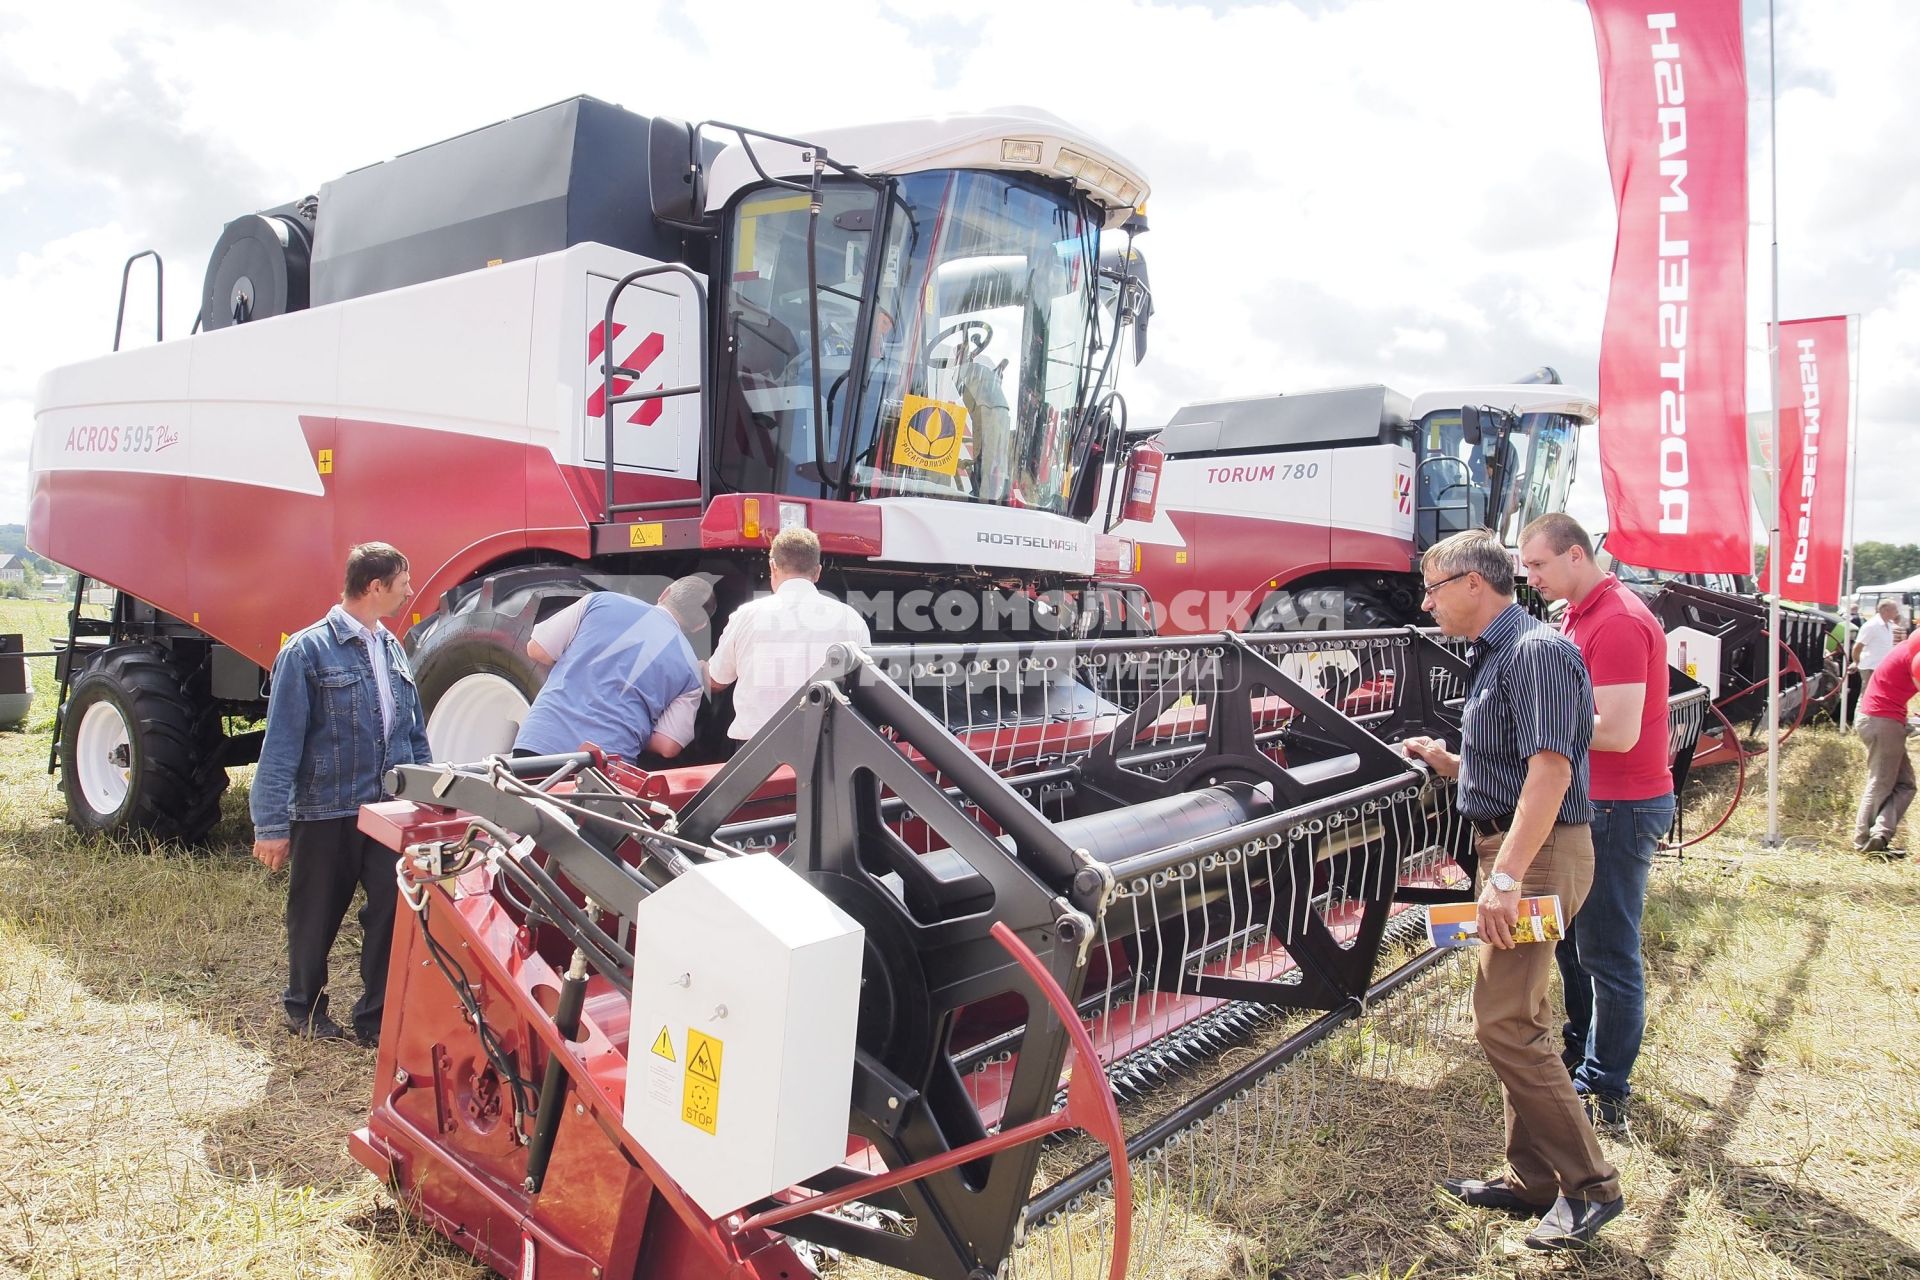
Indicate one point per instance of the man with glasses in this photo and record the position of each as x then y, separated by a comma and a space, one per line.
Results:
624, 677
1525, 730
1625, 650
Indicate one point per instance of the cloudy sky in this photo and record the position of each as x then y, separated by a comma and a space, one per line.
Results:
1403, 191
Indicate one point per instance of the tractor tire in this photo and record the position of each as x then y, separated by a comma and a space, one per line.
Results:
1326, 608
139, 752
470, 660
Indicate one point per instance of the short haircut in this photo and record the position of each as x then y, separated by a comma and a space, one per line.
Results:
796, 550
1890, 604
372, 562
690, 601
1475, 551
1561, 532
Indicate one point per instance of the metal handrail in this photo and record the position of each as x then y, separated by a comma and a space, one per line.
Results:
609, 371
159, 296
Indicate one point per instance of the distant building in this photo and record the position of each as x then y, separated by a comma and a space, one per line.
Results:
55, 584
13, 569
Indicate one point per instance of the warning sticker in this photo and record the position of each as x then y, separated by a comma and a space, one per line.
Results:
700, 1092
663, 1045
929, 436
647, 535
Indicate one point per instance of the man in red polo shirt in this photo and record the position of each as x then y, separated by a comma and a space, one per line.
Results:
1883, 727
1632, 788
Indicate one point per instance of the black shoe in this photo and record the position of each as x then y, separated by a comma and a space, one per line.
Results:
1493, 1193
368, 1039
317, 1027
1572, 1224
1607, 1112
1876, 844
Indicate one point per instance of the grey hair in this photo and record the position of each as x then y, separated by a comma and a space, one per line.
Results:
1475, 551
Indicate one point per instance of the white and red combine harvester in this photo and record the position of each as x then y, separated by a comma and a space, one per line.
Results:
583, 347
1309, 511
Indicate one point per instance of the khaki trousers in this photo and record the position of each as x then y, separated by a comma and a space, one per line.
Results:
1551, 1150
1890, 782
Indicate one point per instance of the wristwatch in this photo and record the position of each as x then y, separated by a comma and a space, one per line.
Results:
1503, 882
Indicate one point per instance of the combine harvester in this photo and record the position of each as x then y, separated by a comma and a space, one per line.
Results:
1308, 511
955, 900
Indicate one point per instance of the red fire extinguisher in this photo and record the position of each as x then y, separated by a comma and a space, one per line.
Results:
1143, 481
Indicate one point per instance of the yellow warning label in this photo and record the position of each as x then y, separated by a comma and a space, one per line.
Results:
647, 535
929, 435
1179, 557
325, 462
663, 1045
700, 1092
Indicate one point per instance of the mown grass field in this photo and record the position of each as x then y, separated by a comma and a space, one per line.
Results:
155, 1120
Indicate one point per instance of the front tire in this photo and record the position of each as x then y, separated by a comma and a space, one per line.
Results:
138, 750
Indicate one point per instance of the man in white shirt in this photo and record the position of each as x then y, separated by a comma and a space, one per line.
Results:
1876, 640
772, 646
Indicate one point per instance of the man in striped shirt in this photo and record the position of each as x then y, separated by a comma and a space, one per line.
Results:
1522, 767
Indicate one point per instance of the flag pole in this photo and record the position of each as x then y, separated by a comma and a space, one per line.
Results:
1773, 516
1847, 580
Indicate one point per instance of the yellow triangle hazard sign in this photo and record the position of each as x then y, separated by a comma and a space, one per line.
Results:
663, 1045
702, 1063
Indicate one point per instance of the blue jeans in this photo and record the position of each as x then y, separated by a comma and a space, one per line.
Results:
1600, 969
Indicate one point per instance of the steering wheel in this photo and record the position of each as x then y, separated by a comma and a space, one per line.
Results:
974, 335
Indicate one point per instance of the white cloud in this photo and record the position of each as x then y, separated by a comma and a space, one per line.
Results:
1388, 190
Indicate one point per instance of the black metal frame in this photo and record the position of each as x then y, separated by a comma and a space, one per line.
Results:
609, 371
864, 754
159, 296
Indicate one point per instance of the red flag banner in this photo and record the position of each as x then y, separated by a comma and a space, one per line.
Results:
1673, 365
1812, 440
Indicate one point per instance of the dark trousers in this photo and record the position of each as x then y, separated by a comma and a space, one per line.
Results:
1601, 972
328, 858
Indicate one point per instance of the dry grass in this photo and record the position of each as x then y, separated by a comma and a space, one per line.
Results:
155, 1121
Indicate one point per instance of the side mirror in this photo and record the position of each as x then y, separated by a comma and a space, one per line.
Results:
1470, 424
674, 176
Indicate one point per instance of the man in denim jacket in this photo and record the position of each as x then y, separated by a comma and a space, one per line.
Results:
343, 711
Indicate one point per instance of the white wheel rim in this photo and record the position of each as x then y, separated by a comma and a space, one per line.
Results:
478, 716
102, 755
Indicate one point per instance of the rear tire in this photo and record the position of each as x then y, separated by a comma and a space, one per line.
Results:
470, 660
138, 750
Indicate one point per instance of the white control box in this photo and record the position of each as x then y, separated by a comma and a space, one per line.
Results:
1697, 653
746, 994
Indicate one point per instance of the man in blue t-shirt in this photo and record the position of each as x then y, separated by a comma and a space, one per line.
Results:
623, 676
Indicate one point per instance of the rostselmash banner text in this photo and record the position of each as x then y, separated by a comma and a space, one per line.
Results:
1812, 440
1673, 437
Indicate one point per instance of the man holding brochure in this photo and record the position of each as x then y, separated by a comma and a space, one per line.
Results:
1526, 727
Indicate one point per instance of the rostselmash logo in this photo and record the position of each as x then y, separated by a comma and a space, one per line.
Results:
1809, 458
1027, 541
1675, 498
